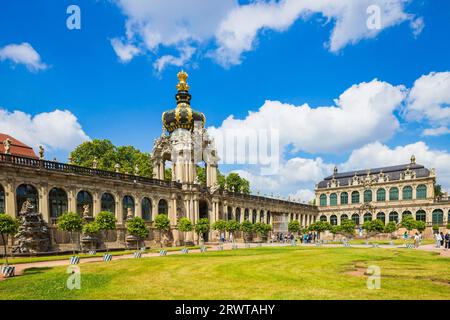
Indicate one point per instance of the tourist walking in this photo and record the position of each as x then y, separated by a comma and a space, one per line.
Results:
442, 239
416, 240
447, 241
438, 238
231, 238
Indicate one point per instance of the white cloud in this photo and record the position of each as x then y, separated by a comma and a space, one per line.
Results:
24, 54
434, 132
185, 54
234, 28
124, 51
303, 195
56, 130
429, 100
378, 155
362, 114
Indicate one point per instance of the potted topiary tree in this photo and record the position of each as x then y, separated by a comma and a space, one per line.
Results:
185, 225
294, 226
261, 230
70, 222
201, 227
390, 227
220, 226
90, 235
162, 224
247, 229
232, 227
106, 221
319, 227
137, 228
373, 227
8, 227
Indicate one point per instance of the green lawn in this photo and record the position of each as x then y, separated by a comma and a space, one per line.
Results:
22, 259
260, 273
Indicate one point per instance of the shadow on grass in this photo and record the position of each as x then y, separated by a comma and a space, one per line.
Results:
31, 271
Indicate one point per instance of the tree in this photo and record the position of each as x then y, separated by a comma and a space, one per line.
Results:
108, 155
201, 227
320, 226
220, 226
106, 221
168, 174
408, 223
235, 183
261, 228
201, 175
373, 227
390, 227
136, 227
162, 223
347, 228
185, 225
70, 222
294, 226
91, 228
232, 227
8, 227
247, 229
438, 191
421, 226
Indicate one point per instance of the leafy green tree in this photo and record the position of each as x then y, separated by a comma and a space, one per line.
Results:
347, 228
373, 227
201, 227
106, 221
91, 228
162, 223
220, 226
8, 227
438, 191
320, 226
390, 227
168, 174
201, 175
294, 226
235, 183
232, 227
408, 223
108, 156
136, 227
185, 225
247, 229
421, 226
70, 222
261, 228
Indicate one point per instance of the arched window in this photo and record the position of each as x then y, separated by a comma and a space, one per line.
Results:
333, 199
163, 208
367, 216
355, 197
127, 203
355, 218
323, 200
333, 220
57, 202
393, 194
108, 203
344, 217
246, 214
393, 217
261, 216
421, 215
381, 195
268, 217
24, 192
84, 198
238, 214
421, 192
323, 218
229, 214
344, 198
407, 193
381, 216
406, 213
367, 196
146, 207
254, 216
2, 200
438, 217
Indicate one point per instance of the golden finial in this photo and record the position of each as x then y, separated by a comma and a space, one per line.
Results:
182, 84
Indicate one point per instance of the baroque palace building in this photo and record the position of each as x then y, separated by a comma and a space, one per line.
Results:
54, 188
388, 194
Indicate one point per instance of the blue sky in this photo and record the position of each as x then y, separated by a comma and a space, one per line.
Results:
305, 58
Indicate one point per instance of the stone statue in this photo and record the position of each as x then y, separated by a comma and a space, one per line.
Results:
95, 163
41, 152
136, 170
33, 235
129, 213
86, 210
7, 145
117, 167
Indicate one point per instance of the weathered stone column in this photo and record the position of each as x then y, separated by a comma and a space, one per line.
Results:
96, 208
72, 200
43, 202
10, 199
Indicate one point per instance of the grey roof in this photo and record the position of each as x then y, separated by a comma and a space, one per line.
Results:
393, 172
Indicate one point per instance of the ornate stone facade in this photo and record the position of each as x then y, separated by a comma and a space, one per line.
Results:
387, 193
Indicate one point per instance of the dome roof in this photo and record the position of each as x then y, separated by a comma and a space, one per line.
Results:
183, 116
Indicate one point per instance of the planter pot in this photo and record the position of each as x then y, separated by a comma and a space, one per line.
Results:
8, 271
132, 241
89, 242
74, 260
248, 238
